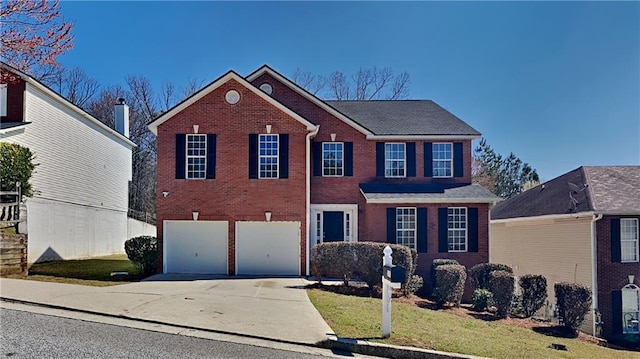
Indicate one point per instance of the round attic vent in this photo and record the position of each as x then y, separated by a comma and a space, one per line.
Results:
232, 97
266, 88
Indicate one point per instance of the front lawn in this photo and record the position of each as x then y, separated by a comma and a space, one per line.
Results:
95, 271
360, 318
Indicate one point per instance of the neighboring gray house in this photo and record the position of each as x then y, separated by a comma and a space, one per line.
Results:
80, 204
579, 227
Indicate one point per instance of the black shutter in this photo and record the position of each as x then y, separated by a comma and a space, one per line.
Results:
458, 160
391, 225
253, 155
211, 156
443, 230
411, 159
379, 159
421, 239
428, 159
348, 158
472, 218
317, 158
616, 252
616, 311
181, 154
283, 156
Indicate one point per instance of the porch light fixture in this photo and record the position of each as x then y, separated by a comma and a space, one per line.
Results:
195, 215
333, 137
267, 216
268, 128
165, 193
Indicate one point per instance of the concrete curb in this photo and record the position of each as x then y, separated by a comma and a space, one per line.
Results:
389, 351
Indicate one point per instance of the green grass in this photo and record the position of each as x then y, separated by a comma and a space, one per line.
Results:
94, 271
357, 317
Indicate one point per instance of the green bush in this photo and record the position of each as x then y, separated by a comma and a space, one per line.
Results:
573, 302
16, 165
450, 279
479, 274
143, 251
482, 298
534, 293
414, 284
501, 284
361, 260
439, 262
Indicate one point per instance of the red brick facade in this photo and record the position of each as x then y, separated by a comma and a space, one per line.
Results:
15, 101
611, 276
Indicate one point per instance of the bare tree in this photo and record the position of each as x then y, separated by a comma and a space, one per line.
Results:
74, 84
308, 81
193, 85
339, 86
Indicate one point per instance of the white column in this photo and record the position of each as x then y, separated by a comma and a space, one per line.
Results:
387, 260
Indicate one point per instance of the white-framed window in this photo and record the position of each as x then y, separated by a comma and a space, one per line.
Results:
442, 159
395, 162
406, 226
457, 233
196, 156
629, 239
3, 99
630, 309
268, 152
332, 159
347, 226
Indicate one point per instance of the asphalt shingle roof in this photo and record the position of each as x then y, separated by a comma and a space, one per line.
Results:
472, 192
606, 190
403, 117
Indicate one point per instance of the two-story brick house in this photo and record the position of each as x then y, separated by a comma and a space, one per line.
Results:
269, 170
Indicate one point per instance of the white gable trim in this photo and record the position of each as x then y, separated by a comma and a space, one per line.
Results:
153, 126
422, 137
266, 69
33, 82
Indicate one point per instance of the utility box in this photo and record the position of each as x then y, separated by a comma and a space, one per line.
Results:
395, 274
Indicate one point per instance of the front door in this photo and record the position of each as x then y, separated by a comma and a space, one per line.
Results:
333, 226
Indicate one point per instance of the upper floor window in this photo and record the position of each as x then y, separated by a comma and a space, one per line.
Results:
268, 156
457, 229
442, 159
332, 159
629, 239
196, 156
395, 160
406, 226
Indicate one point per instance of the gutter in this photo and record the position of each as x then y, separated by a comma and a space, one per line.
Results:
310, 135
594, 269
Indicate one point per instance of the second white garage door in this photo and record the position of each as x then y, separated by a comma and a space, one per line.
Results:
268, 248
195, 247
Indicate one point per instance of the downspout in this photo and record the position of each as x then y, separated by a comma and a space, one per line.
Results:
310, 135
594, 270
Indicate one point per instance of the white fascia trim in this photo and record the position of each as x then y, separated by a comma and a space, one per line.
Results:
153, 126
14, 129
310, 97
422, 137
47, 91
544, 217
310, 135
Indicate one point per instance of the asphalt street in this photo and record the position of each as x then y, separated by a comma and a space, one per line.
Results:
30, 335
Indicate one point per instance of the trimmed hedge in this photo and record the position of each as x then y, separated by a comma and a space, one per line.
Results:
534, 293
482, 299
573, 302
450, 279
480, 274
143, 251
501, 284
439, 262
359, 259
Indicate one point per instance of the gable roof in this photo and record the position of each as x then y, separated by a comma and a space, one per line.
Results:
42, 87
153, 125
606, 190
405, 118
427, 193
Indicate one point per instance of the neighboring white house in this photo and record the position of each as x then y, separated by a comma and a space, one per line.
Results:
80, 202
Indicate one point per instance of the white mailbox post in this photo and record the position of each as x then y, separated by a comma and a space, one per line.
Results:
387, 286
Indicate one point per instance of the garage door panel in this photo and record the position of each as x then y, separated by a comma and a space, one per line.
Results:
195, 247
268, 248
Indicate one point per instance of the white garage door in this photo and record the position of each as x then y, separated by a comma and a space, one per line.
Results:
268, 248
195, 247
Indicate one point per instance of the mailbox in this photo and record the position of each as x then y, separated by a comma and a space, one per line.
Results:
396, 274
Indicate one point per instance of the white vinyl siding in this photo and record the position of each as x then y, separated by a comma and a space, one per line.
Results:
196, 156
395, 155
268, 153
629, 239
406, 226
457, 233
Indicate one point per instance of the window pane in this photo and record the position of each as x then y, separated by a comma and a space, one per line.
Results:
332, 153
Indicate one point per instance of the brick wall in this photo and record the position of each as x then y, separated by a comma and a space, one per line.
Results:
15, 101
232, 196
611, 276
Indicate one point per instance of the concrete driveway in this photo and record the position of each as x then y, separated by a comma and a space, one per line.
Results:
272, 308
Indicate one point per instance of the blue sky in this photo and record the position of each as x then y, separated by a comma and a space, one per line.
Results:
556, 83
